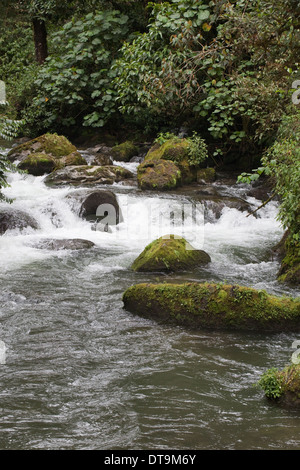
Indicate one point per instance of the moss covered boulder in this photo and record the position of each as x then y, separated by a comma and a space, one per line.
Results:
160, 175
213, 306
124, 152
178, 151
46, 153
282, 386
38, 164
169, 254
52, 144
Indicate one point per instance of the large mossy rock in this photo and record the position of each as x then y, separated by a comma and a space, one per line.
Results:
160, 175
52, 144
169, 254
88, 175
213, 306
124, 152
46, 153
177, 151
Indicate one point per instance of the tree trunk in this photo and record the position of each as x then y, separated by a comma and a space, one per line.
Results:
40, 40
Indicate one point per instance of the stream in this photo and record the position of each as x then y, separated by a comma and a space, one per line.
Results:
80, 372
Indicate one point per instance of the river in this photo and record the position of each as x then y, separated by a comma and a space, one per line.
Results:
80, 372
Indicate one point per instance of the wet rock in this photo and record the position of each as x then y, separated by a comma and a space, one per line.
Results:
99, 204
38, 164
85, 174
213, 306
124, 152
206, 174
160, 175
11, 219
64, 244
169, 254
99, 155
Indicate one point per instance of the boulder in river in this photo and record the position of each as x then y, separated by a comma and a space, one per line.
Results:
96, 203
160, 175
175, 150
64, 244
124, 152
52, 144
85, 174
213, 306
46, 153
169, 254
11, 218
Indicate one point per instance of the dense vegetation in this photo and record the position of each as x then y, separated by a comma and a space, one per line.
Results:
223, 69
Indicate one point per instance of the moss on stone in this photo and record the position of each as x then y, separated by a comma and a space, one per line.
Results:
290, 265
282, 386
51, 144
124, 152
161, 175
205, 305
38, 164
169, 254
208, 175
176, 150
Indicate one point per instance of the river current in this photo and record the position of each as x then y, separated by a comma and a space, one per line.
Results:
80, 372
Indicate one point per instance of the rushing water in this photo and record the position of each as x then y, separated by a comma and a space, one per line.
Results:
80, 372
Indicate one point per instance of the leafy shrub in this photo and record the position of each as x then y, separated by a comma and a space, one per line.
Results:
75, 82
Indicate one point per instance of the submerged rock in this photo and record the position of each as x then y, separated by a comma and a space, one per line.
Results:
64, 244
11, 219
216, 306
158, 175
169, 254
85, 174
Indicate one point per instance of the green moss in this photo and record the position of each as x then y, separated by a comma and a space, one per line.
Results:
38, 164
282, 386
290, 265
51, 144
169, 254
176, 150
206, 174
161, 175
209, 306
125, 151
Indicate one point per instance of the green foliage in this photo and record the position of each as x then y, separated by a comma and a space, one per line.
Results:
150, 79
197, 150
281, 163
271, 383
163, 137
75, 82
